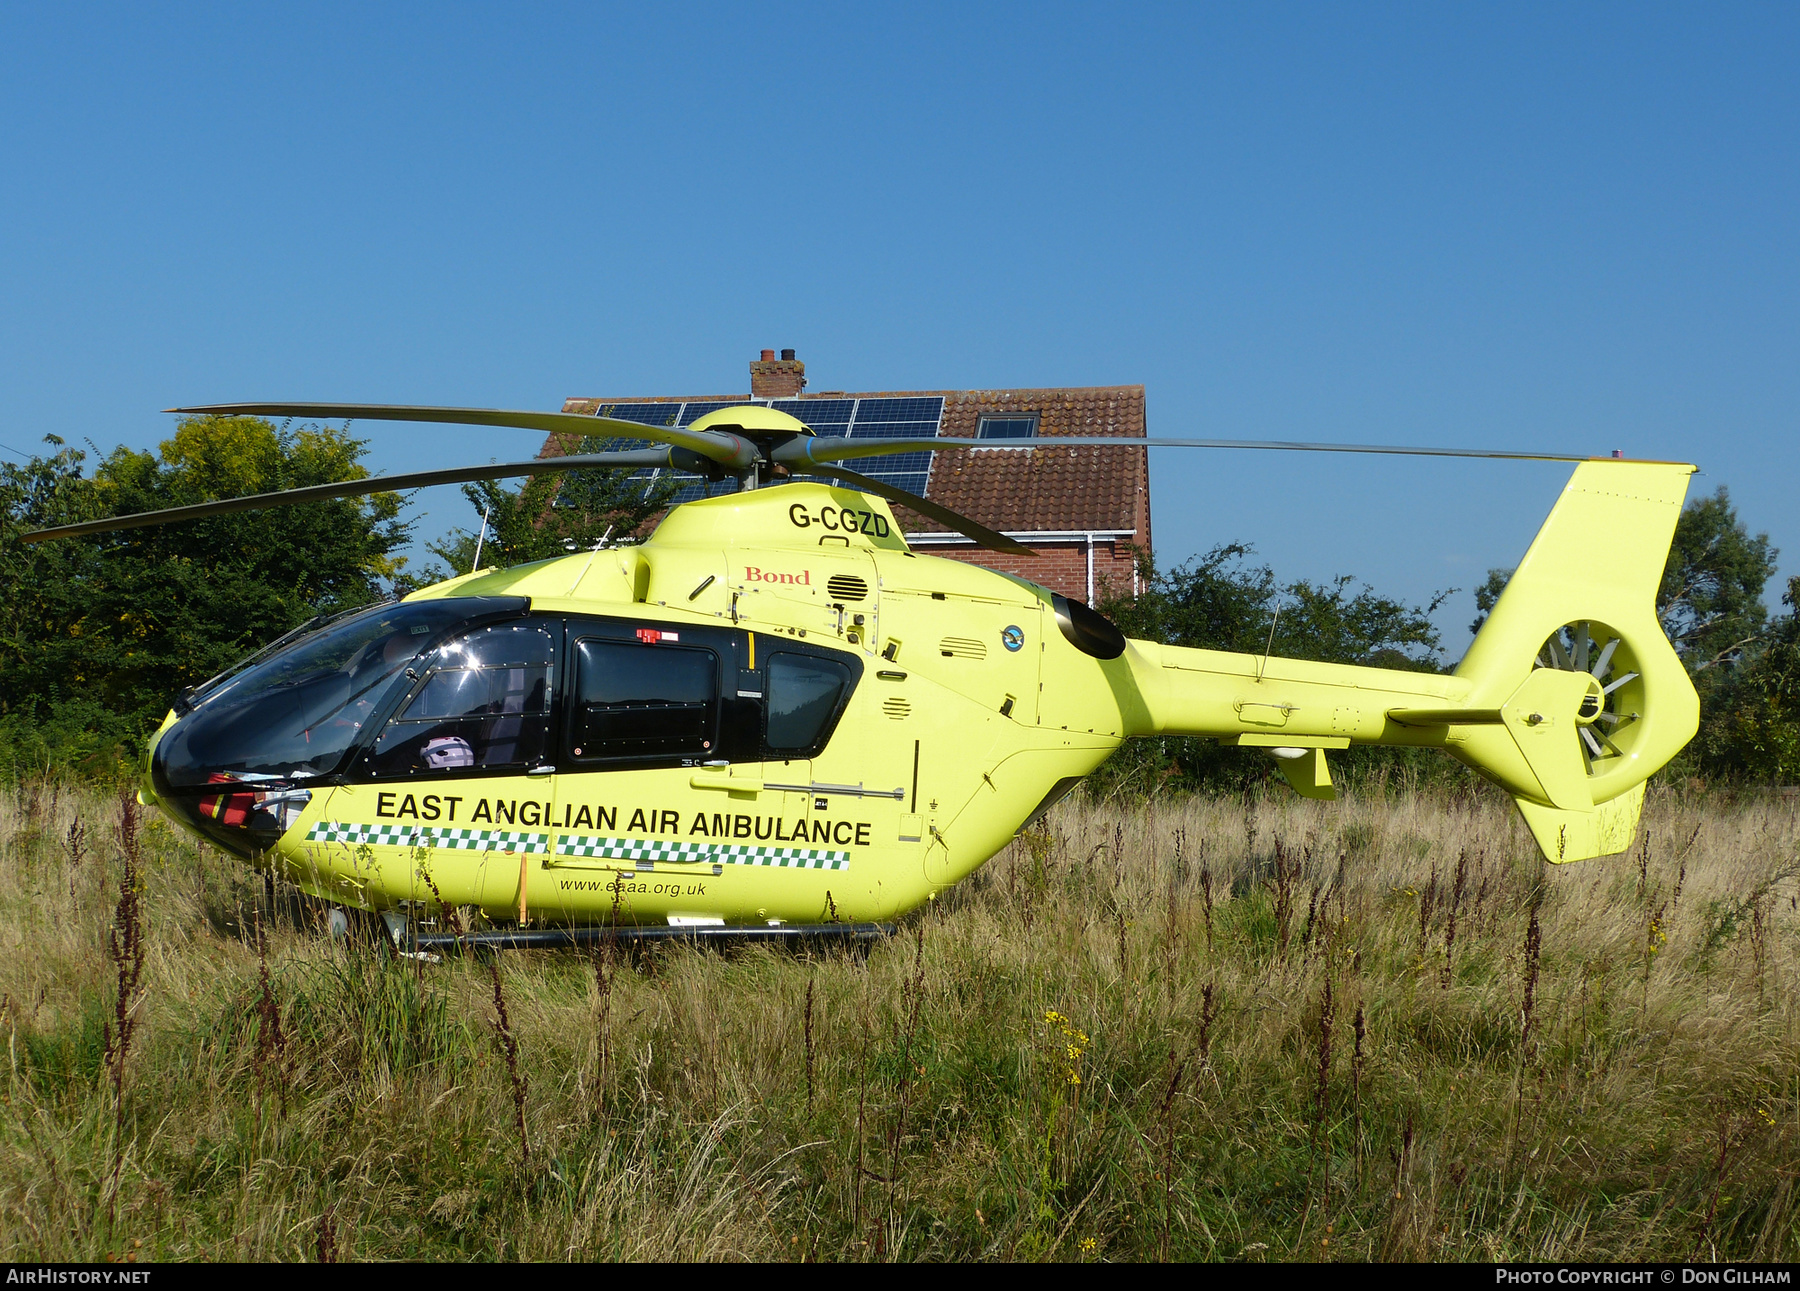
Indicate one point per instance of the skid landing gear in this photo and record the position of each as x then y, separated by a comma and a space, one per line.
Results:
818, 936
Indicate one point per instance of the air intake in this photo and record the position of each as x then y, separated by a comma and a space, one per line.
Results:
896, 708
963, 648
847, 587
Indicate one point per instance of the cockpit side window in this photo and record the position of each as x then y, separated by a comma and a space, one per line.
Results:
805, 695
644, 701
484, 703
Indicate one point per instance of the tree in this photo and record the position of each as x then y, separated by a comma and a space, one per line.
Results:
98, 633
1211, 603
1219, 601
1488, 595
1711, 599
1751, 727
552, 515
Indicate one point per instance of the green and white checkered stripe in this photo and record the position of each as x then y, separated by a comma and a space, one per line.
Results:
468, 840
656, 849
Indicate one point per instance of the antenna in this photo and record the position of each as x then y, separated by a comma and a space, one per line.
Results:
592, 552
480, 536
1270, 643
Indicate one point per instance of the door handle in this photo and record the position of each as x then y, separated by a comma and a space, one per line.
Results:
731, 784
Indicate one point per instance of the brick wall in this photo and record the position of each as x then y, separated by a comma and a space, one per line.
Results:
1062, 567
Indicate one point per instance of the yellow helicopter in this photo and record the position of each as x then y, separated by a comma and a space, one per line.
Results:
773, 718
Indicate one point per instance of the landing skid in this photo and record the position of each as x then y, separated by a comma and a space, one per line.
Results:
812, 936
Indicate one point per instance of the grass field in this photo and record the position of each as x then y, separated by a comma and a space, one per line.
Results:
1218, 1029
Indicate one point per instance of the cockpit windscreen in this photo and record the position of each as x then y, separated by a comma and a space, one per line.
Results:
293, 715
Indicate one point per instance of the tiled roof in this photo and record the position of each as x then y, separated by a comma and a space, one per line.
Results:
1014, 490
1046, 488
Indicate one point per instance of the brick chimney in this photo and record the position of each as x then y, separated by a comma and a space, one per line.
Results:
777, 378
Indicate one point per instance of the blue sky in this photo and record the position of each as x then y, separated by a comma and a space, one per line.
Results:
1561, 227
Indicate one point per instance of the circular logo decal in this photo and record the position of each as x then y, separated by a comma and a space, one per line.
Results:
1012, 638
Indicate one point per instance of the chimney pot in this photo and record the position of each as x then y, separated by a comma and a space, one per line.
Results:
773, 378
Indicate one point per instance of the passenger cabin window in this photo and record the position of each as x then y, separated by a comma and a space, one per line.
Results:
804, 695
644, 701
485, 703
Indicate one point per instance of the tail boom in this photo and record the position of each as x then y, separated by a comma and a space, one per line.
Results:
1569, 698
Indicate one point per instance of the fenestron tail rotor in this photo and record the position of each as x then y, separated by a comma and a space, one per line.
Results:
1615, 700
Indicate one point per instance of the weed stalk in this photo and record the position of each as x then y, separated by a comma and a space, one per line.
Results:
1356, 1077
509, 1050
325, 1241
125, 946
1456, 896
1427, 902
271, 1036
809, 1046
1206, 896
1712, 1206
1203, 1042
1166, 1114
76, 846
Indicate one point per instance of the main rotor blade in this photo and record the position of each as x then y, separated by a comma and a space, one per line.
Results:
983, 535
834, 449
374, 484
726, 449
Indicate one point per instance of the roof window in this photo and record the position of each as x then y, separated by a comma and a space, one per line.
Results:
1013, 427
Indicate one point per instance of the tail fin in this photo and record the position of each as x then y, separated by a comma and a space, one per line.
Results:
1577, 695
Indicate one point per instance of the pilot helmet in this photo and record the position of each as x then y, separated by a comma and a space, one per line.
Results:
446, 752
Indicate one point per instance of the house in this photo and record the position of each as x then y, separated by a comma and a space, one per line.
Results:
1084, 512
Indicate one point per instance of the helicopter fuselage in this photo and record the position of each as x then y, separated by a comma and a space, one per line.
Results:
774, 711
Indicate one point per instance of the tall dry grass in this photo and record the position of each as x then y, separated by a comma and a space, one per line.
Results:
1216, 1029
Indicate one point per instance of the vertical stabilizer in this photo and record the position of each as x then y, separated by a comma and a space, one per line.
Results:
1587, 695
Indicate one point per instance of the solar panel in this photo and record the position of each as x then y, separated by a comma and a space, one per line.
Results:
894, 430
693, 412
650, 414
891, 462
825, 416
912, 483
697, 488
917, 417
918, 409
908, 418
